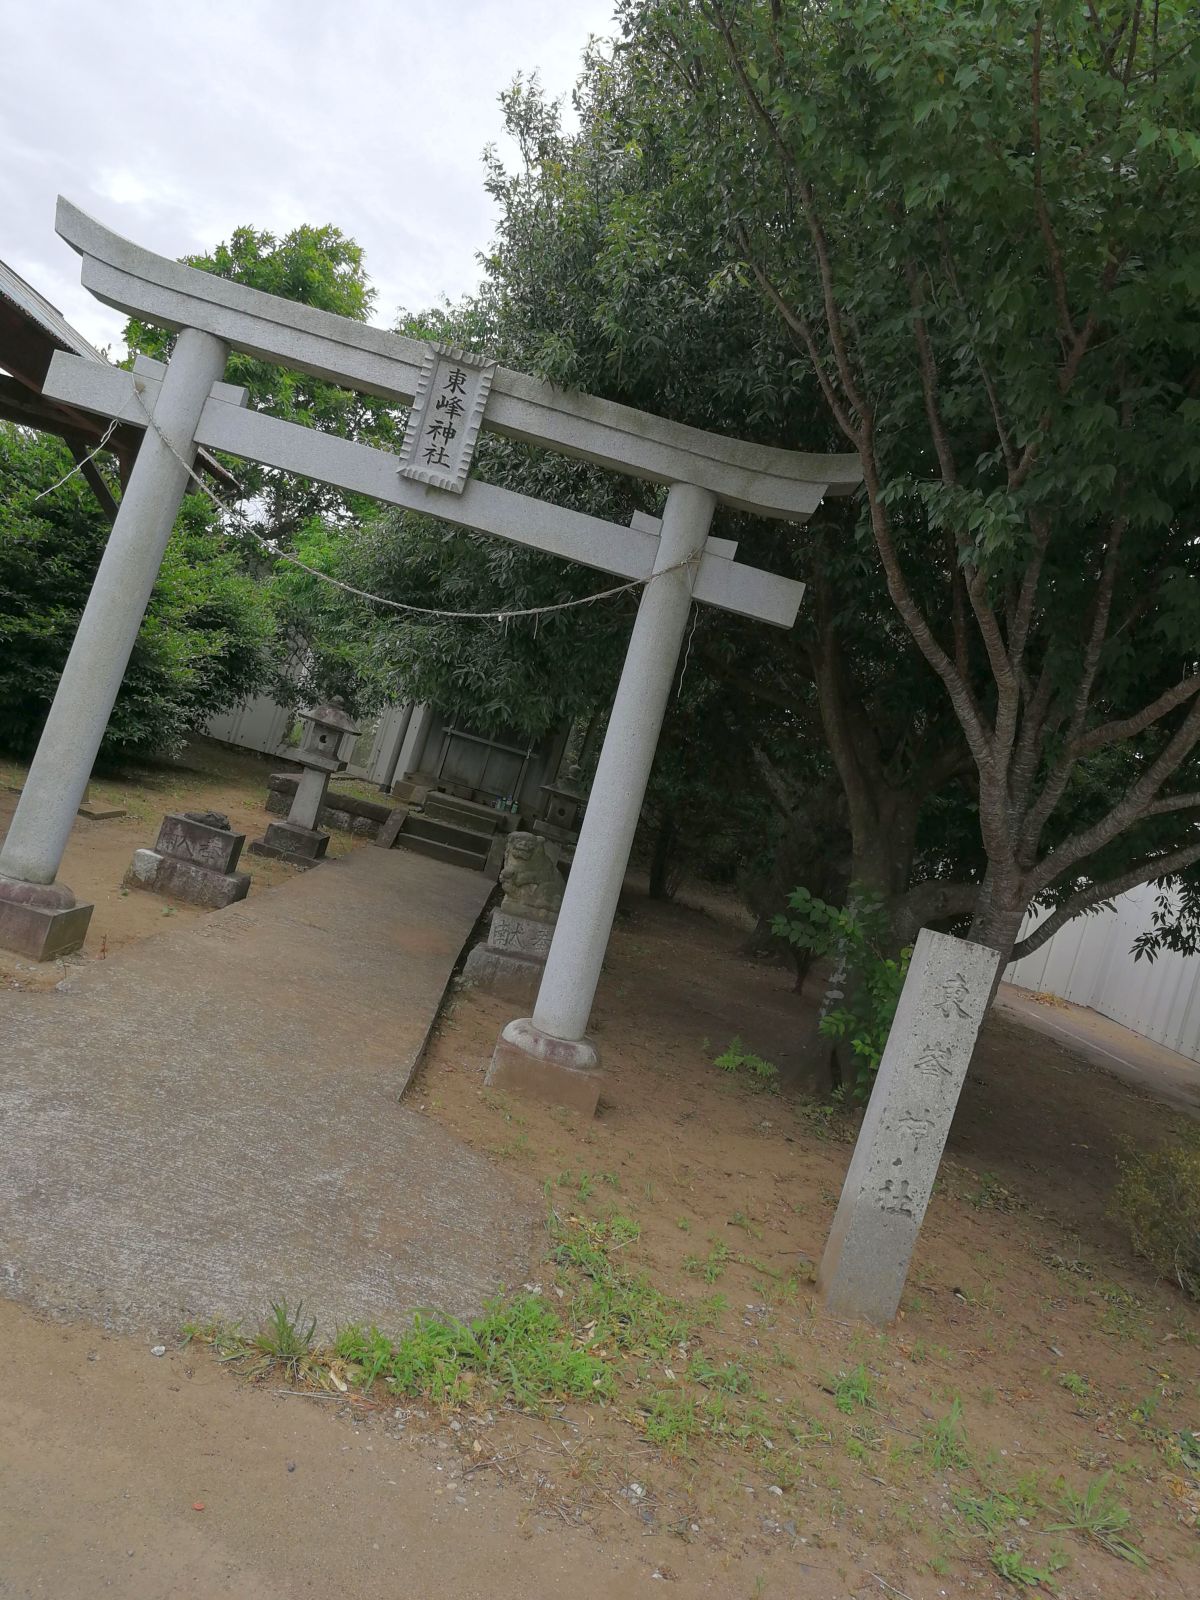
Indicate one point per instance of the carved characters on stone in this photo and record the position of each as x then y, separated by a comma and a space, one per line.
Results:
951, 995
529, 878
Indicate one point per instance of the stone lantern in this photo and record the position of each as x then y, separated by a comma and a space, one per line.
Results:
328, 732
560, 805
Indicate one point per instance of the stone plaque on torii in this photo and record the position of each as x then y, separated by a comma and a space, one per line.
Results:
184, 404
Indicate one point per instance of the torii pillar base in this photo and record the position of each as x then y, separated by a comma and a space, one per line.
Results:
564, 1072
41, 920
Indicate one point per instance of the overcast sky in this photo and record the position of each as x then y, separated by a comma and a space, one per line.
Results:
175, 122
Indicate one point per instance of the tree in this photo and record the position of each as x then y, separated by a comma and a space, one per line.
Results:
978, 225
205, 642
316, 266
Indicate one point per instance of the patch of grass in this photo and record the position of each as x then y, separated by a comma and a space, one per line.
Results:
670, 1422
711, 1266
827, 1119
853, 1389
518, 1347
285, 1339
1098, 1515
609, 1304
992, 1195
944, 1442
990, 1514
1015, 1569
730, 1377
1124, 1314
1074, 1383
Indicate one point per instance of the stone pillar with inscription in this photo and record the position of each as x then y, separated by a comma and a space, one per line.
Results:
896, 1158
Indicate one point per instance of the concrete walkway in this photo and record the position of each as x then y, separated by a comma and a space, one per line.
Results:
1107, 1044
209, 1121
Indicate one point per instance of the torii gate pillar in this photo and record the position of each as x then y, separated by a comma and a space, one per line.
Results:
548, 1054
40, 918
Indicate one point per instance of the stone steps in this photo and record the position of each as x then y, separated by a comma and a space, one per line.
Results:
473, 860
417, 825
484, 820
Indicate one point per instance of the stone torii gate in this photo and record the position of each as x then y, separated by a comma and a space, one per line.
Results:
184, 405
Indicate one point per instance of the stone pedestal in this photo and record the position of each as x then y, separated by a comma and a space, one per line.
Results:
512, 959
287, 841
563, 1071
896, 1158
40, 920
193, 860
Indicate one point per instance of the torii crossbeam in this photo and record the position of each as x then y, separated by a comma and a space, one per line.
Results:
184, 405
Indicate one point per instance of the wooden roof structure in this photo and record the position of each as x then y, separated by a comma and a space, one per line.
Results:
31, 331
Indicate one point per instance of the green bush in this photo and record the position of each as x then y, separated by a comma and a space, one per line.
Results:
1158, 1200
209, 632
855, 937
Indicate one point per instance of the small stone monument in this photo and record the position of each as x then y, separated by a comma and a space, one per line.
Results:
511, 960
193, 860
298, 840
896, 1158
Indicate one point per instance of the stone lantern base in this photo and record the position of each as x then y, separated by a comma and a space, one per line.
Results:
288, 841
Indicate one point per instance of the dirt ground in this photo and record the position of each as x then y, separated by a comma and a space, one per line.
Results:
1034, 1355
207, 776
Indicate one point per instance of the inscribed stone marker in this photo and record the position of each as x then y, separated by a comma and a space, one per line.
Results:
904, 1132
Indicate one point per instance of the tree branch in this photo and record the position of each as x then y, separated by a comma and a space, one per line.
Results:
1127, 810
1098, 894
1057, 781
1113, 732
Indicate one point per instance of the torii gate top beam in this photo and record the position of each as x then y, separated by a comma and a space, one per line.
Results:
755, 478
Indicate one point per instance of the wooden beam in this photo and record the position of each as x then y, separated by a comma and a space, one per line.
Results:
95, 482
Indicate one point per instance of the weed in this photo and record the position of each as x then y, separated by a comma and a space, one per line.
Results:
737, 1059
1012, 1565
989, 1514
1188, 1446
730, 1378
683, 1225
853, 1389
825, 1119
611, 1305
993, 1196
945, 1441
518, 1346
581, 1183
284, 1339
739, 1219
1124, 1316
1075, 1384
857, 935
1098, 1515
711, 1266
671, 1421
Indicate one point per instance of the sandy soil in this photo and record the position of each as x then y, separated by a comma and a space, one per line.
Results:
207, 776
1024, 1307
1022, 1284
